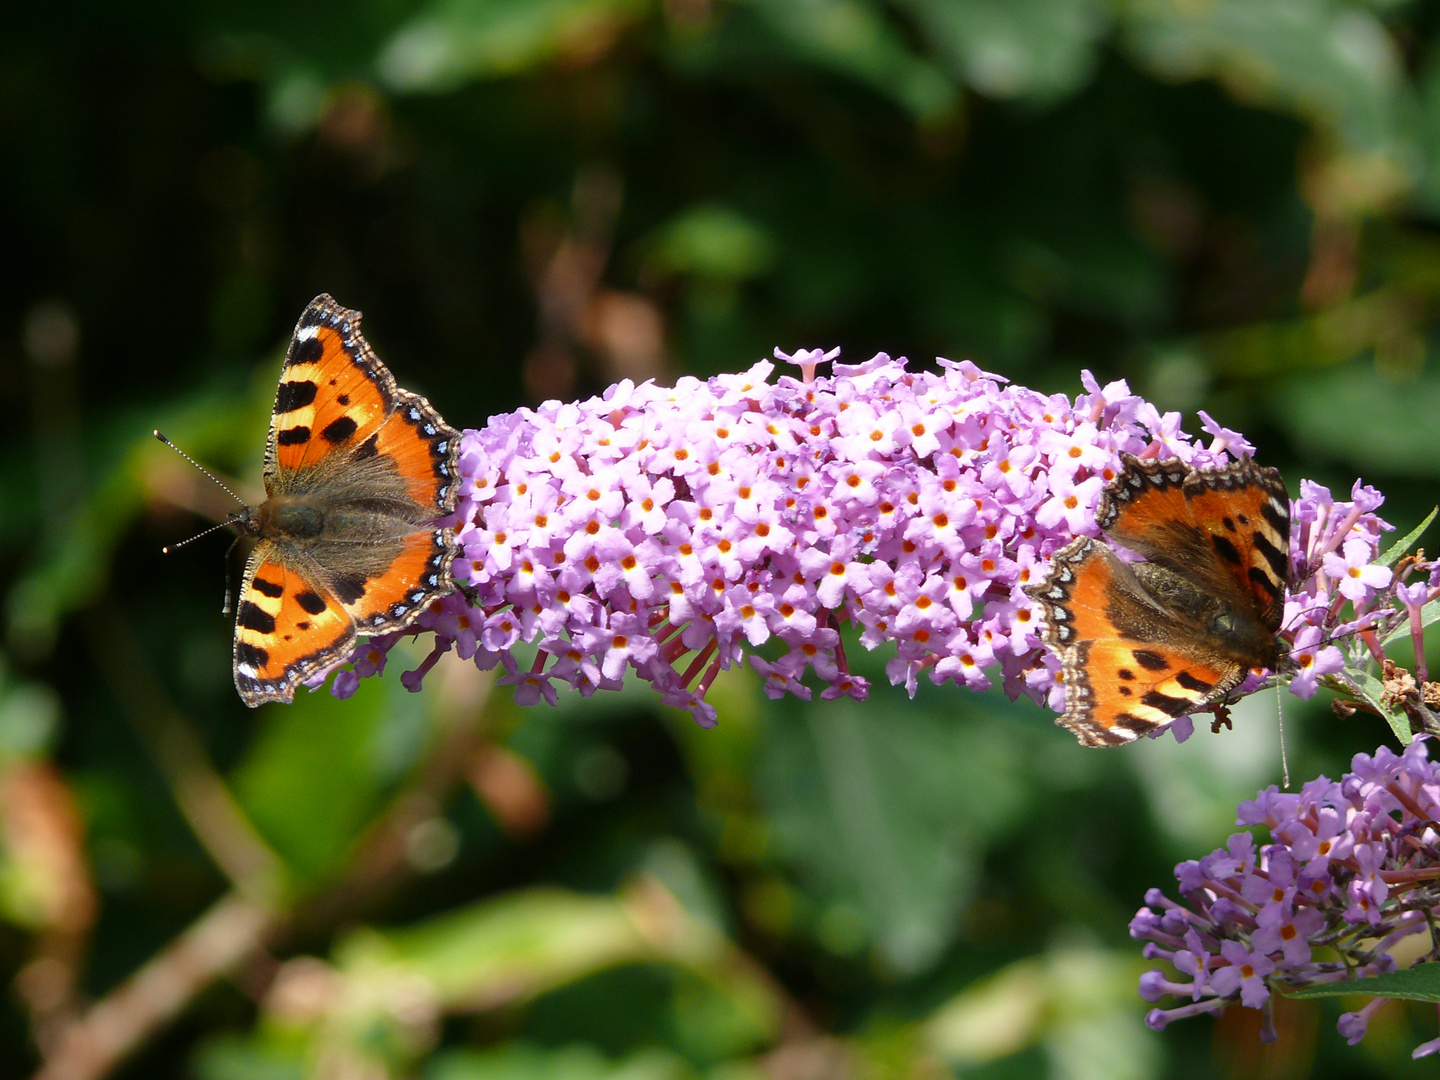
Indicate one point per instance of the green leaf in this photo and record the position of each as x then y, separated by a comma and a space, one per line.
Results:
858, 39
1037, 49
1321, 405
1335, 65
530, 942
30, 715
1372, 691
1400, 547
714, 241
321, 768
72, 567
1429, 614
451, 42
527, 944
525, 1062
236, 1057
884, 808
1418, 983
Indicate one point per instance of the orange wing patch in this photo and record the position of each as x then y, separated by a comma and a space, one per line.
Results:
1119, 690
411, 438
1146, 502
1231, 524
1077, 593
414, 578
286, 629
1249, 530
1116, 689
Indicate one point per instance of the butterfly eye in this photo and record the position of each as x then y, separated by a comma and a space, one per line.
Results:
1224, 624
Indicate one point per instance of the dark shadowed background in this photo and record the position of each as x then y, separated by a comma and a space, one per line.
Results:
1233, 204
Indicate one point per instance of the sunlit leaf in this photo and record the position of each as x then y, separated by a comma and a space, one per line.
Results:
1418, 983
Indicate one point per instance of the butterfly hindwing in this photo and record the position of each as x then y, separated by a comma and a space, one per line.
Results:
287, 627
1123, 689
419, 571
423, 448
1122, 677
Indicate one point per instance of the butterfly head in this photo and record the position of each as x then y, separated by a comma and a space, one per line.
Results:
283, 517
245, 521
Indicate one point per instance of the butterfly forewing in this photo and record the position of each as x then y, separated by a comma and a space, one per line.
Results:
334, 392
1249, 529
1226, 528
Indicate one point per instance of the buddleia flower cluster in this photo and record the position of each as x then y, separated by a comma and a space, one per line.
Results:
667, 534
1351, 871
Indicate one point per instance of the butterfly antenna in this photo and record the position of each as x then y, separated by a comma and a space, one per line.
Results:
204, 470
168, 548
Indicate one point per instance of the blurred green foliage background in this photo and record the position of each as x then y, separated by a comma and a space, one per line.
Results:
1234, 204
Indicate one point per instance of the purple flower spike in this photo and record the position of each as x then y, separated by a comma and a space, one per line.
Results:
1351, 867
668, 533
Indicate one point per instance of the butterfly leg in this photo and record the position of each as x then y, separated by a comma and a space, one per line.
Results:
1222, 718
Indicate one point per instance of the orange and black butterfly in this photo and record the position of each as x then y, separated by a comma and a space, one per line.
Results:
359, 479
1142, 644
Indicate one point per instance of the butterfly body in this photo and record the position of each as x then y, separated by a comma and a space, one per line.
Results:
1142, 644
359, 475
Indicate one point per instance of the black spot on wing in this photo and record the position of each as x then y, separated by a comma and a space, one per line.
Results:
312, 603
1225, 549
295, 395
251, 655
1193, 682
1274, 558
348, 587
1264, 581
1150, 660
1138, 724
367, 449
1278, 521
266, 588
1170, 706
293, 436
308, 351
337, 431
251, 617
